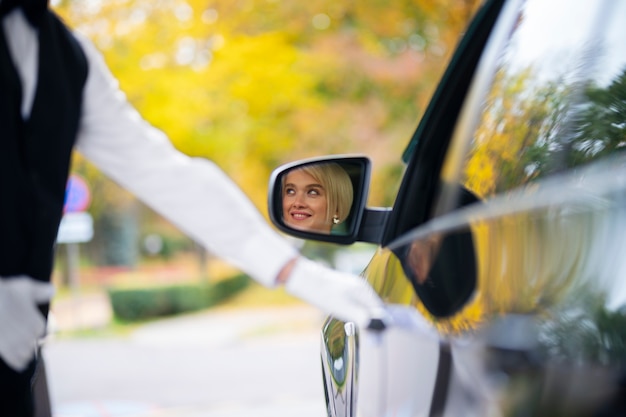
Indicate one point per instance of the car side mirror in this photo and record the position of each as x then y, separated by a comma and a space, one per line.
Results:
320, 198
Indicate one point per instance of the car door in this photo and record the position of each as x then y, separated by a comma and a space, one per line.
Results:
341, 347
508, 232
501, 261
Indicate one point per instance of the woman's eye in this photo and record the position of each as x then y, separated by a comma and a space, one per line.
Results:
290, 191
314, 192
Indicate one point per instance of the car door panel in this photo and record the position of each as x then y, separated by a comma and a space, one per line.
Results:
525, 283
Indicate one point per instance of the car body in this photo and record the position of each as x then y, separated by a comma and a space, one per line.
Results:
503, 259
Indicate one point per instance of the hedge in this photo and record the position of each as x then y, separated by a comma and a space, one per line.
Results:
136, 304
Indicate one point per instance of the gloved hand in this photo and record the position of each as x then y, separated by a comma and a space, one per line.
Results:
21, 323
345, 296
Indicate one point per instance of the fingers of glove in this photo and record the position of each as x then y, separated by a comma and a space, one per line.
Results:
17, 345
23, 292
21, 323
17, 307
18, 360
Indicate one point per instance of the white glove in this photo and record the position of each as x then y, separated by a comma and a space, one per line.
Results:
21, 322
345, 296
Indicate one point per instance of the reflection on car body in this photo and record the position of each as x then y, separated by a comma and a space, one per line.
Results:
502, 260
339, 350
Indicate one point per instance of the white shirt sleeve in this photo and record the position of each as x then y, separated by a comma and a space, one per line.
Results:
192, 193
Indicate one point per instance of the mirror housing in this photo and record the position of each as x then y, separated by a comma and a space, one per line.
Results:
343, 182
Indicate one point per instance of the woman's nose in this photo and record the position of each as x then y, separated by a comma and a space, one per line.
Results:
299, 201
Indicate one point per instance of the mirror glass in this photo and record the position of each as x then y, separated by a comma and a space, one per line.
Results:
323, 197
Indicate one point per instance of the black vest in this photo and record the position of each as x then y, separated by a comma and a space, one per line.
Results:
35, 153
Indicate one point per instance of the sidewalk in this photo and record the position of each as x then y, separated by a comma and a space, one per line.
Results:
264, 344
300, 409
93, 311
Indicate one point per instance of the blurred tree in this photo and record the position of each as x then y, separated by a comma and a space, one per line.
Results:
252, 84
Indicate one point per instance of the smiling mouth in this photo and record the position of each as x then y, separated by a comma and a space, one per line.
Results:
300, 216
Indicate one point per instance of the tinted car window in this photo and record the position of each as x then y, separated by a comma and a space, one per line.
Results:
539, 147
557, 100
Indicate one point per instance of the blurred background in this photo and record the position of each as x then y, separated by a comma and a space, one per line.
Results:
252, 84
249, 84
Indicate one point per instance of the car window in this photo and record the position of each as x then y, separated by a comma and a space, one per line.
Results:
528, 196
426, 150
556, 102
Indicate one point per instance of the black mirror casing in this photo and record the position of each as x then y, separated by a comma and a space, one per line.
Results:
358, 169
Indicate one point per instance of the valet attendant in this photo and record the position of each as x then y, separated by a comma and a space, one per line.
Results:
57, 95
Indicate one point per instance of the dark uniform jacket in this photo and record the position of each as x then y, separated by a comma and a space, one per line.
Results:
35, 153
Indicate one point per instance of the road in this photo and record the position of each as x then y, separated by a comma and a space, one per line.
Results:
235, 363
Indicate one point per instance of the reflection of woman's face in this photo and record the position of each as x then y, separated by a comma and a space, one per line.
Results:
304, 203
422, 256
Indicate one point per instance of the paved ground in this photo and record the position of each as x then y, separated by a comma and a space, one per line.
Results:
220, 363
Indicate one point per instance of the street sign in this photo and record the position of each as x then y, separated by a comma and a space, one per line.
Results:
75, 227
77, 195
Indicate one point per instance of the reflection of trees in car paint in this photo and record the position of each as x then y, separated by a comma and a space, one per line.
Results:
523, 264
603, 129
536, 249
509, 148
520, 135
339, 366
590, 334
336, 348
532, 128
